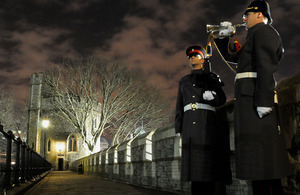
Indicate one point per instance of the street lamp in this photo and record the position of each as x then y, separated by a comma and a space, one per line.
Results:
45, 123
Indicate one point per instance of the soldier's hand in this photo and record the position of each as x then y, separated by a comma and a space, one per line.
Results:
209, 95
178, 134
262, 111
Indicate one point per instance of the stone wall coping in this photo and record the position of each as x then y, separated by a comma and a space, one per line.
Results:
290, 95
125, 144
142, 139
164, 133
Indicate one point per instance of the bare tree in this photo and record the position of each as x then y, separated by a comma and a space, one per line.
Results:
148, 112
7, 107
100, 95
12, 113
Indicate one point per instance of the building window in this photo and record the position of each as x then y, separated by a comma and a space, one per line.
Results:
72, 146
49, 145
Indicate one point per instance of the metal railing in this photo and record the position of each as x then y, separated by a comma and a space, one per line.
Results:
18, 162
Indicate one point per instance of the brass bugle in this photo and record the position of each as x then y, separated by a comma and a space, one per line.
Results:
239, 25
216, 28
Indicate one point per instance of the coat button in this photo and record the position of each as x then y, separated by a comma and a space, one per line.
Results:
193, 96
194, 85
194, 123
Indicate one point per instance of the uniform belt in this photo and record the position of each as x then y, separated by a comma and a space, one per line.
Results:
198, 106
245, 75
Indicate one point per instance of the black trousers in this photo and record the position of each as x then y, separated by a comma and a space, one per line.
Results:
267, 187
208, 188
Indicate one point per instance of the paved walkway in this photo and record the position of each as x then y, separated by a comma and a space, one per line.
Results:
68, 182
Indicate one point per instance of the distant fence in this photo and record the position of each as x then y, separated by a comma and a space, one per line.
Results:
18, 162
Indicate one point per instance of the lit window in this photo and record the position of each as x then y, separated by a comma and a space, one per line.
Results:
72, 146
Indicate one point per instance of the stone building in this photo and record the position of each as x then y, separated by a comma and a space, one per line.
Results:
58, 141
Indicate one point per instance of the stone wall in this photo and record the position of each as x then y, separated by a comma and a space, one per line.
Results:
289, 113
151, 159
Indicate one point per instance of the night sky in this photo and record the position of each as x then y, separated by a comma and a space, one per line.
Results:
150, 35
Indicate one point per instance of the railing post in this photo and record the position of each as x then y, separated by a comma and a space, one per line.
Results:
30, 168
40, 165
17, 167
7, 183
34, 164
23, 159
27, 167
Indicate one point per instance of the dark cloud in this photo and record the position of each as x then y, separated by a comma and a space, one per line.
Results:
151, 36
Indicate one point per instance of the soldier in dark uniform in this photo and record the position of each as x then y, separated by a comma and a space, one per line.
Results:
203, 154
260, 150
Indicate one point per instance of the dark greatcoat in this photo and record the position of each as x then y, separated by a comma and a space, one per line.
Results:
203, 148
259, 146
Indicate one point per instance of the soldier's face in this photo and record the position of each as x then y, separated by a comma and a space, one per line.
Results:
196, 61
251, 19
